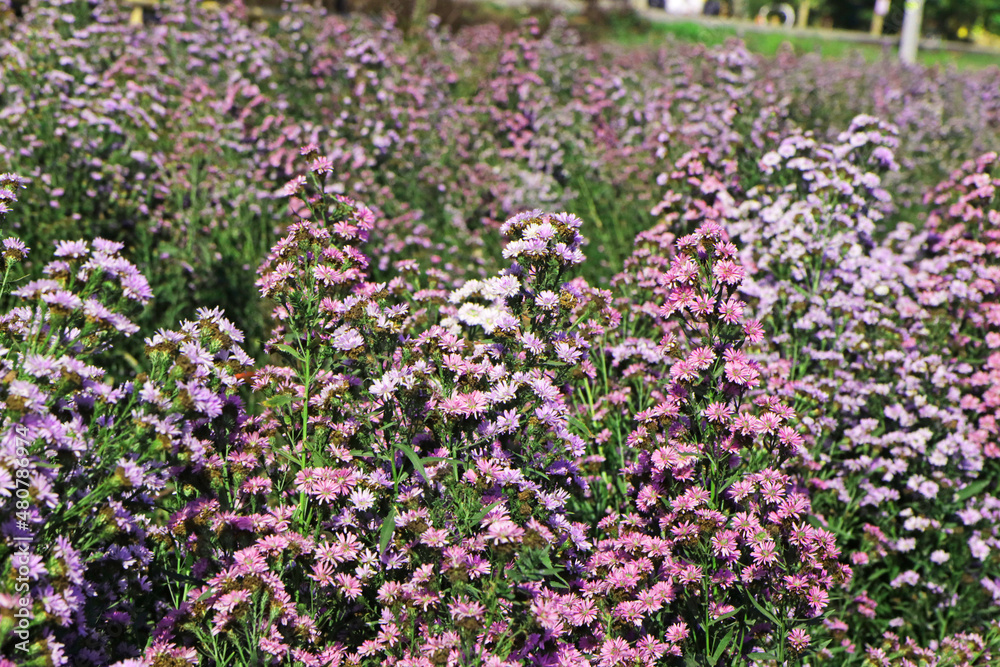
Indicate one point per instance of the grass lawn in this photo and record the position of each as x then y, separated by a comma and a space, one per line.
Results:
639, 32
634, 30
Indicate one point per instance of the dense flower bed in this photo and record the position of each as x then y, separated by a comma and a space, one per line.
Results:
738, 404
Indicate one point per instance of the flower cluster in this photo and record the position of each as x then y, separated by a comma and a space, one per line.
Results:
714, 547
87, 458
871, 338
406, 470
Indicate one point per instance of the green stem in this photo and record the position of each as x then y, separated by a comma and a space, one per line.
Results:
6, 274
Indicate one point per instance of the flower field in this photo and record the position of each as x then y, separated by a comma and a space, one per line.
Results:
326, 345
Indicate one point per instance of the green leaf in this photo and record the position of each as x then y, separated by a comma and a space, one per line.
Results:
388, 526
762, 655
972, 489
289, 350
723, 645
479, 517
205, 595
767, 614
434, 459
278, 401
414, 459
723, 617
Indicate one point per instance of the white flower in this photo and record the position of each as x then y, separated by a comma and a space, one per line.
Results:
362, 499
940, 557
383, 387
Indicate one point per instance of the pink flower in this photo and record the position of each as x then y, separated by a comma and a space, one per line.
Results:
790, 439
229, 601
725, 544
701, 358
504, 531
321, 165
650, 600
716, 610
818, 599
629, 611
731, 310
690, 499
325, 490
650, 649
615, 651
718, 412
739, 369
463, 608
350, 585
322, 573
754, 332
728, 272
798, 640
764, 553
677, 632
476, 403
294, 186
548, 614
582, 612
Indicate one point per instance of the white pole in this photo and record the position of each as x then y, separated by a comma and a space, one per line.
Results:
913, 16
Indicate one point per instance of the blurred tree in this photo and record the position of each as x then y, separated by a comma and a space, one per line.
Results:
941, 17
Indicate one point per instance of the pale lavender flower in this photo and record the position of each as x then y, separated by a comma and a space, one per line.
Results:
72, 249
547, 300
939, 556
346, 338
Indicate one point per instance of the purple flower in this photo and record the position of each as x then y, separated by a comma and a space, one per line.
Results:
547, 300
201, 398
72, 249
136, 287
346, 338
978, 548
14, 249
504, 531
939, 556
108, 247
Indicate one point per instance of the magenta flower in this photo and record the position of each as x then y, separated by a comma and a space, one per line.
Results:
462, 608
725, 544
817, 599
728, 272
798, 640
676, 633
615, 651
